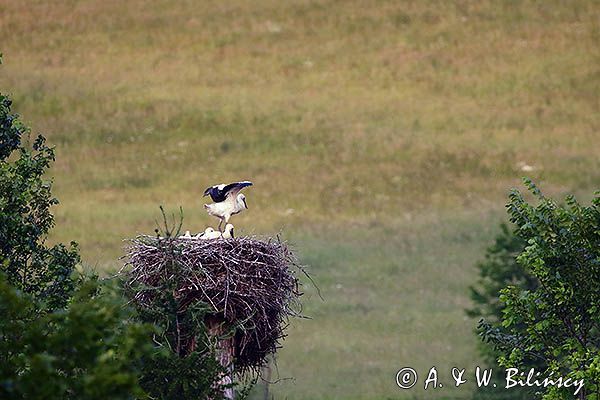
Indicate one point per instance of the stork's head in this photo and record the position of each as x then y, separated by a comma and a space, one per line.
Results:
229, 229
242, 200
209, 230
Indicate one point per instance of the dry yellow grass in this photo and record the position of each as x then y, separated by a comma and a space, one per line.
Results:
380, 116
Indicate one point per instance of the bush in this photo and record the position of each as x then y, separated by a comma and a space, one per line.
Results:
85, 351
558, 321
498, 269
175, 373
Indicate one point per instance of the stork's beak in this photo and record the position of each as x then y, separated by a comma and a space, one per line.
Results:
245, 205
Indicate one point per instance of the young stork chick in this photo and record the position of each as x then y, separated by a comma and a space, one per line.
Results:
209, 233
187, 235
228, 232
227, 199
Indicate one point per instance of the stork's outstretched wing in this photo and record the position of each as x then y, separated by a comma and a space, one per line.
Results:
216, 192
234, 188
220, 192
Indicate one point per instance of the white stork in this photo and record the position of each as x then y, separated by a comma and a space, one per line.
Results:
228, 232
203, 235
187, 235
227, 199
210, 233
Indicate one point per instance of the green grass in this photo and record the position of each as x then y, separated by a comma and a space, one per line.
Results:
392, 299
381, 136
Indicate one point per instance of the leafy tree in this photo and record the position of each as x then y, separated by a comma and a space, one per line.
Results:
86, 351
498, 269
558, 322
25, 218
62, 335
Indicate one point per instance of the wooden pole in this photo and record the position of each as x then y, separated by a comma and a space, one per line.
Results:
225, 351
266, 379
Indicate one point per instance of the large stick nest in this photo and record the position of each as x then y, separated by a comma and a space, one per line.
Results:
250, 284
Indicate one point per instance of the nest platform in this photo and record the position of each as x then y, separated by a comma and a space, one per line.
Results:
249, 283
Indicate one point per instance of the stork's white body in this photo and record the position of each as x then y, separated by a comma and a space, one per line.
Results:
225, 209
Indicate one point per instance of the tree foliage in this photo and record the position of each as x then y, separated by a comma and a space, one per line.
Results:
180, 372
558, 322
25, 217
62, 335
85, 351
498, 269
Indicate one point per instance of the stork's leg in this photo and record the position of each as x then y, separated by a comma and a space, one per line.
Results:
226, 222
220, 223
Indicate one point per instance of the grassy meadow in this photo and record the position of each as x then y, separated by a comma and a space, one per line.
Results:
381, 136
